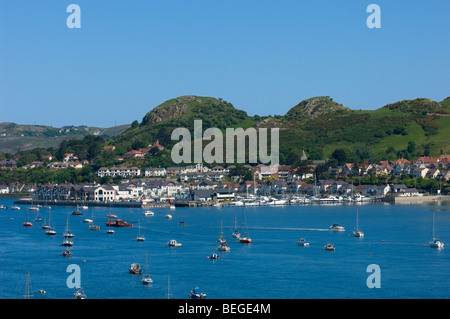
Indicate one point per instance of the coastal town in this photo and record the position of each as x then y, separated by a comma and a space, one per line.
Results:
247, 185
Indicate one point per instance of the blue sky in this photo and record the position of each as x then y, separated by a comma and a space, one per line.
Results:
262, 56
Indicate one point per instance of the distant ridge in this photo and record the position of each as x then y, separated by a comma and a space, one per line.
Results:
317, 125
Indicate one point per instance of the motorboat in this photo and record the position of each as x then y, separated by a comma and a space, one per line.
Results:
214, 256
330, 247
197, 294
15, 207
149, 213
87, 220
172, 207
302, 242
173, 243
117, 222
27, 224
135, 269
168, 216
337, 227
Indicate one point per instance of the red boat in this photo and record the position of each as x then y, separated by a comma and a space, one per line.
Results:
27, 224
117, 223
245, 240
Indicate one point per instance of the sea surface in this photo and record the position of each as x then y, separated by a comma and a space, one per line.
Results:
273, 266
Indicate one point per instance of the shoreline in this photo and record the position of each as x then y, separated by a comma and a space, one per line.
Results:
399, 200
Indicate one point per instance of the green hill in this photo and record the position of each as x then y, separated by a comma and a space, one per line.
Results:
15, 137
318, 125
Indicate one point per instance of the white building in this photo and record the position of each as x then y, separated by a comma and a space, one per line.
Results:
155, 172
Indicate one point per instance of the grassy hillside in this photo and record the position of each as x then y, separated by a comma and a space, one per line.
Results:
318, 125
16, 137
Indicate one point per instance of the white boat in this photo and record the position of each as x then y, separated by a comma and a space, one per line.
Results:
435, 243
330, 247
223, 247
146, 280
93, 226
140, 237
197, 294
245, 237
149, 213
337, 227
50, 230
236, 233
172, 207
302, 242
15, 207
87, 220
357, 232
67, 233
84, 207
173, 243
168, 216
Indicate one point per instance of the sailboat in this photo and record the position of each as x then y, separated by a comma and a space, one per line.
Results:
28, 293
435, 243
245, 239
67, 233
357, 232
139, 237
236, 233
50, 230
223, 243
110, 230
27, 223
146, 280
77, 212
92, 226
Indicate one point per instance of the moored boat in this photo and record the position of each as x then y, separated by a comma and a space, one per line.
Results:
173, 243
302, 242
135, 269
117, 223
197, 294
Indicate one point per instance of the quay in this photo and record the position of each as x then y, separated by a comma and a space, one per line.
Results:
30, 201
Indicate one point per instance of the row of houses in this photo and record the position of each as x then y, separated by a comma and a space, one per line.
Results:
425, 167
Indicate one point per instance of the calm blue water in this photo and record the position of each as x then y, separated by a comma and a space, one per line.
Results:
271, 267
